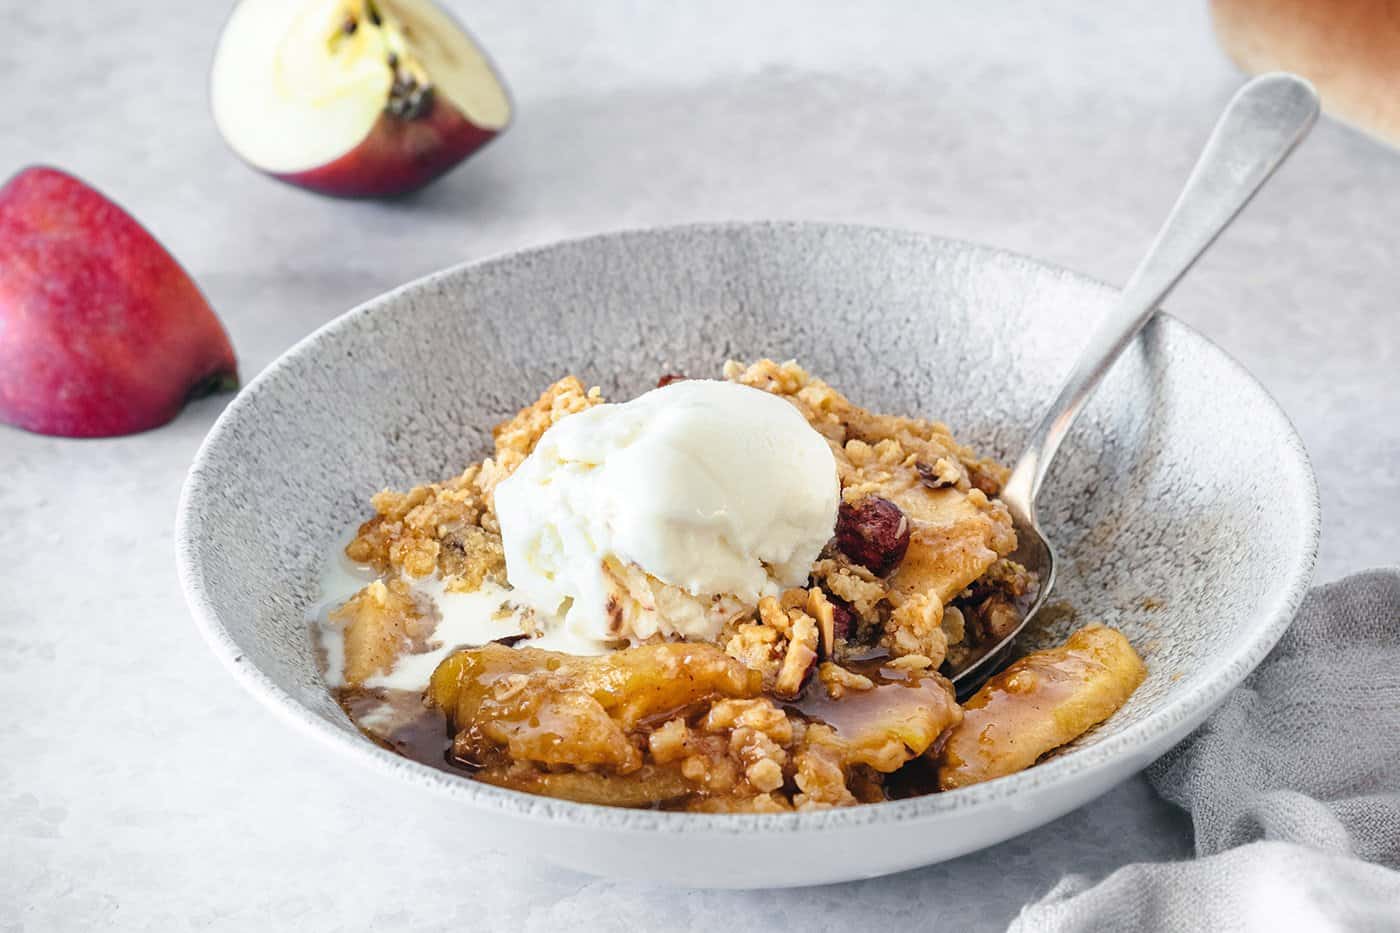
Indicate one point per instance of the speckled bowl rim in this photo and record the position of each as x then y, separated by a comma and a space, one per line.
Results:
1270, 621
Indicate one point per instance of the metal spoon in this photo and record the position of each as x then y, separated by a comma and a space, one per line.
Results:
1265, 120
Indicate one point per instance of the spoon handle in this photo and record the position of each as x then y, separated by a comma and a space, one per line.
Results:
1265, 120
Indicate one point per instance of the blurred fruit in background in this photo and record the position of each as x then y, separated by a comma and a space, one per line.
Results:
1349, 49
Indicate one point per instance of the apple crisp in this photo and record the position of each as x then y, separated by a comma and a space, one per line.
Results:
829, 693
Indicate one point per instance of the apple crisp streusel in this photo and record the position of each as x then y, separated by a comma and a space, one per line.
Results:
823, 695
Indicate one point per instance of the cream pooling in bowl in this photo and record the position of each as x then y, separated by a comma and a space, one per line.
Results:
669, 514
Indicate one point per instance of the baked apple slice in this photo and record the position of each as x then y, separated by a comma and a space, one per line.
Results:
1039, 703
355, 98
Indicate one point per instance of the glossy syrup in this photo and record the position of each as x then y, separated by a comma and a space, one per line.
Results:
400, 721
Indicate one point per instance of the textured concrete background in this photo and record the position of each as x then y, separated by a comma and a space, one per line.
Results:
140, 789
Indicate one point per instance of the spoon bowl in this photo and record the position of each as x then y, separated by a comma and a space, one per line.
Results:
1035, 553
1260, 127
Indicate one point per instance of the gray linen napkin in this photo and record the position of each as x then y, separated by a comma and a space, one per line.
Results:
1293, 786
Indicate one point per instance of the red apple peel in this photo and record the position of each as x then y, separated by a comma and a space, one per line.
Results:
102, 333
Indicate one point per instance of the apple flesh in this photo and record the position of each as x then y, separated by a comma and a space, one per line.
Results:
355, 98
101, 332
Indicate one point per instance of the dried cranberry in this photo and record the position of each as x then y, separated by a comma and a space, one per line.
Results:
873, 533
843, 618
670, 378
934, 479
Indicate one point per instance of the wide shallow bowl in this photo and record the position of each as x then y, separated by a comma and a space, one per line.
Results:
1183, 507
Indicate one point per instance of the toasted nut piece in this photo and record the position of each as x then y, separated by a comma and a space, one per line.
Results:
912, 662
801, 655
765, 774
820, 608
770, 611
839, 681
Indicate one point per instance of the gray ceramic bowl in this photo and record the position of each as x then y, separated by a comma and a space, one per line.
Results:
1183, 506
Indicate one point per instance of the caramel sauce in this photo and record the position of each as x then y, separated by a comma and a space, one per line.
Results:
1037, 704
887, 725
402, 722
413, 729
1040, 702
857, 709
917, 778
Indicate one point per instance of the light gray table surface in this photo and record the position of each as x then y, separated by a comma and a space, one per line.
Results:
141, 789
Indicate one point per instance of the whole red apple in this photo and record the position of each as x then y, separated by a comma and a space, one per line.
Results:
357, 98
101, 332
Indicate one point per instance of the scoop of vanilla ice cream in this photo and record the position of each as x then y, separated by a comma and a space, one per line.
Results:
669, 514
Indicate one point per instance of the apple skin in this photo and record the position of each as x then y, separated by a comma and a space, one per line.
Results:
101, 332
398, 156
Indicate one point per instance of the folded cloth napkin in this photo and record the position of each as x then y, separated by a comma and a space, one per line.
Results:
1293, 787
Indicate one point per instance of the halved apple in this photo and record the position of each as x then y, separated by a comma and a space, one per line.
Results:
357, 98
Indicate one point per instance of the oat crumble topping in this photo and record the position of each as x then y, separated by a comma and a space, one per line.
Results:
811, 700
